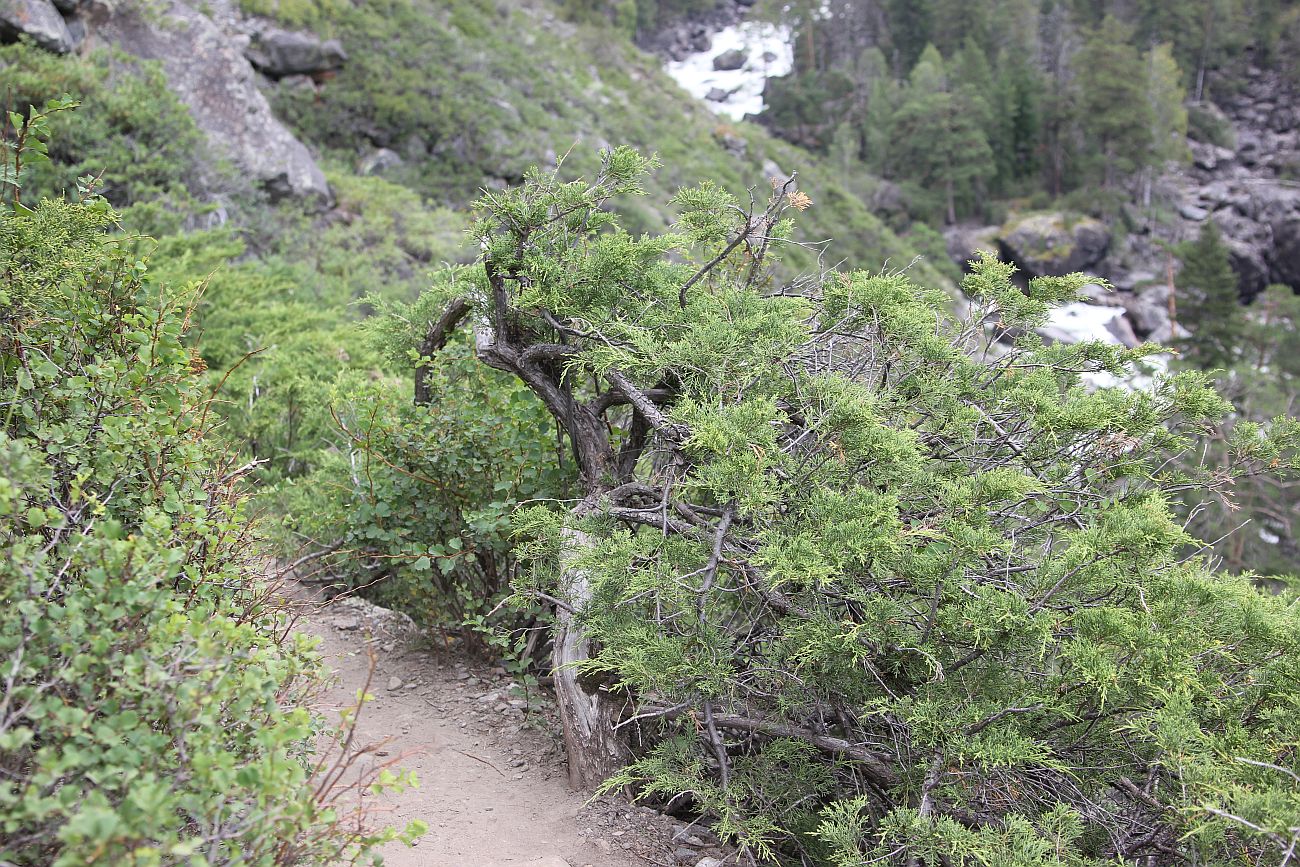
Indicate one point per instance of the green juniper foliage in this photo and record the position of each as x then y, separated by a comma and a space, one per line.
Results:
868, 588
153, 704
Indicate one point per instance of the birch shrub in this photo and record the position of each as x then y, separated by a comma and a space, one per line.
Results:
864, 587
153, 702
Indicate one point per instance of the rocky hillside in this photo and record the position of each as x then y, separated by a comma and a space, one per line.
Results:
445, 98
1243, 173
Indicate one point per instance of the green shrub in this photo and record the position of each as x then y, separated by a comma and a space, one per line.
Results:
1207, 124
417, 500
153, 702
859, 589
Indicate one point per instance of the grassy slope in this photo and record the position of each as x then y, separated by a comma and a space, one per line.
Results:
472, 93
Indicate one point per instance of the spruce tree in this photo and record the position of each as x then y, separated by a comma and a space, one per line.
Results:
1208, 302
1166, 113
911, 29
1017, 121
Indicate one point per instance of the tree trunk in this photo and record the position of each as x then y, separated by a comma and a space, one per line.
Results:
588, 713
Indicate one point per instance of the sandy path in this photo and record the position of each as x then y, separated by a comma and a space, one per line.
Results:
488, 797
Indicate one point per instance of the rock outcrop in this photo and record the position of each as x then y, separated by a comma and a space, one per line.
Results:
279, 53
693, 33
207, 70
40, 20
1053, 243
1245, 181
734, 58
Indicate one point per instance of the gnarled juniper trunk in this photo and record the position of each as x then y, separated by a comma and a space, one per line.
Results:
609, 420
588, 713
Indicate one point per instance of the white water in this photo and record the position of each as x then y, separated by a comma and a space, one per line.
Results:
759, 38
1078, 321
1085, 321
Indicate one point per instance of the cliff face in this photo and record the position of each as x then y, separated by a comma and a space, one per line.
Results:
1250, 183
207, 66
1243, 173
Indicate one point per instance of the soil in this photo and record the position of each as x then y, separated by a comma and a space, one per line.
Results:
493, 788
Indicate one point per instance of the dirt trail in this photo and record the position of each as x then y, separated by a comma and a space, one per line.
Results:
493, 790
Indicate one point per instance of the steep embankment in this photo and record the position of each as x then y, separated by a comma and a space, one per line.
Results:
447, 98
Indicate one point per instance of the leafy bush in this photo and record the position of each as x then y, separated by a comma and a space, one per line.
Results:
276, 324
872, 590
416, 506
153, 702
1207, 124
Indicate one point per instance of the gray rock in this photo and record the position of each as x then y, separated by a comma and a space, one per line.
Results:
1286, 251
1248, 147
1131, 281
277, 53
39, 20
732, 59
1284, 119
734, 144
887, 198
394, 683
1122, 330
1209, 156
1250, 265
1148, 311
1191, 212
717, 94
379, 161
708, 862
772, 172
1215, 194
964, 241
346, 624
304, 83
1054, 243
218, 86
1099, 295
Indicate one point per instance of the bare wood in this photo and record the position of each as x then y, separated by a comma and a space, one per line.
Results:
877, 766
595, 748
434, 339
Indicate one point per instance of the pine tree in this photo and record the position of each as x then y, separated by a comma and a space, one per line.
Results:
879, 133
1166, 98
911, 29
1059, 46
1115, 113
1208, 302
1016, 134
940, 143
